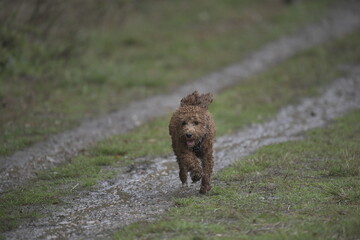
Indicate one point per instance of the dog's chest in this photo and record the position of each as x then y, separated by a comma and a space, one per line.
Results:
198, 150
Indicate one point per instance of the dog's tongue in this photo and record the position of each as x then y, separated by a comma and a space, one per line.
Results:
190, 143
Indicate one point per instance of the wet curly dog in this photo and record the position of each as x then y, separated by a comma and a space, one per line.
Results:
192, 132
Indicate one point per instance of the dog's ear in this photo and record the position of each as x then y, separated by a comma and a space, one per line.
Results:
190, 100
195, 99
205, 100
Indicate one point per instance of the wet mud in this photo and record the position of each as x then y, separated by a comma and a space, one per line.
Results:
22, 165
145, 190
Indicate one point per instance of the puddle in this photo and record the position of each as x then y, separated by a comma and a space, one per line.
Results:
22, 165
146, 189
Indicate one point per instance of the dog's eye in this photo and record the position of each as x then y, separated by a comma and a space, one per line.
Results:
183, 123
196, 122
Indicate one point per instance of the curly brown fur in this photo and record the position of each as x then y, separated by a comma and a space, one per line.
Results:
192, 132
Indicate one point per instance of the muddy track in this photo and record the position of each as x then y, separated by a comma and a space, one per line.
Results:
21, 166
144, 190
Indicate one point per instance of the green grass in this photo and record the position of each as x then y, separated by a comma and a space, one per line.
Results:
24, 203
48, 84
254, 100
282, 191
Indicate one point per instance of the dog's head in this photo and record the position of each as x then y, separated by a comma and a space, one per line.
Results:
193, 118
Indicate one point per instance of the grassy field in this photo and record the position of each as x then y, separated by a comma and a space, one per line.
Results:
254, 100
306, 189
52, 76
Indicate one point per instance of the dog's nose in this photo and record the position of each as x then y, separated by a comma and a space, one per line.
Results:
188, 135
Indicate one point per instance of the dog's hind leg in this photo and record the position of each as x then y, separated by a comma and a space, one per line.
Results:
183, 174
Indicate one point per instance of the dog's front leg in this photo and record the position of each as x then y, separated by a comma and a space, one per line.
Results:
207, 164
189, 163
183, 160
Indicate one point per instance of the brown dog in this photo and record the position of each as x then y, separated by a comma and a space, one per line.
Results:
192, 132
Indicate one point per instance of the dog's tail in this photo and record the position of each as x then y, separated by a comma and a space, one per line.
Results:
196, 99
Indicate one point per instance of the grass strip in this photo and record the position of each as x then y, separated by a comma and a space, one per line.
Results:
254, 100
47, 85
306, 189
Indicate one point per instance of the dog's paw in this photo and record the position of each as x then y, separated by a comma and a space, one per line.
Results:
205, 189
195, 176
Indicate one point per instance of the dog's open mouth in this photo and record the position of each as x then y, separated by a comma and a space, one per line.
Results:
190, 143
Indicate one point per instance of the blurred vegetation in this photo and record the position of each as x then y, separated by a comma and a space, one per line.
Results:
41, 30
38, 40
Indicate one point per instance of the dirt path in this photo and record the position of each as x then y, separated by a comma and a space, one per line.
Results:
20, 166
145, 190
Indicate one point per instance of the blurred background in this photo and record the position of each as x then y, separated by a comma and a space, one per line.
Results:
63, 61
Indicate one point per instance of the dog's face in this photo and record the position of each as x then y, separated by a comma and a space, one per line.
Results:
192, 125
